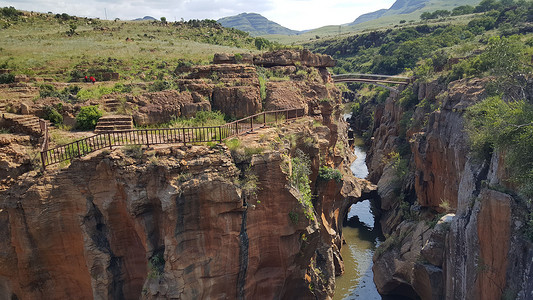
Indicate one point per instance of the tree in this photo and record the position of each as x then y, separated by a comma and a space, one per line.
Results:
262, 43
487, 5
462, 10
163, 20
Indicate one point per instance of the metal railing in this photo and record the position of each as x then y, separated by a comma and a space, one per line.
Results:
371, 78
155, 136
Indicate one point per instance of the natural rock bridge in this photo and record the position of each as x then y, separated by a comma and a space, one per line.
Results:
376, 79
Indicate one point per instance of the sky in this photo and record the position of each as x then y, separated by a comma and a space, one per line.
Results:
293, 14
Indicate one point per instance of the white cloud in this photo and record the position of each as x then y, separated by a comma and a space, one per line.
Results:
294, 14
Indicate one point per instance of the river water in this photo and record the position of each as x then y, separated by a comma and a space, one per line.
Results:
362, 234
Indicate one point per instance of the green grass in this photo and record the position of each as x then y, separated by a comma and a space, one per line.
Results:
39, 46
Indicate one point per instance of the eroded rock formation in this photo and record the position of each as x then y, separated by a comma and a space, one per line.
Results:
478, 250
188, 222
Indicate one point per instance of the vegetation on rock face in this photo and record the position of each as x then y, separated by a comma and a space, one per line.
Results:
326, 173
7, 78
299, 179
507, 127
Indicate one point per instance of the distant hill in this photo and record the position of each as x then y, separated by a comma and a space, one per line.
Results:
146, 18
411, 8
399, 7
369, 16
255, 24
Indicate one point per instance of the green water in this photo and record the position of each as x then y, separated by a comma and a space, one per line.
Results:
362, 235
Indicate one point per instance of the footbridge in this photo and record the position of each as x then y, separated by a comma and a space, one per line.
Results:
375, 79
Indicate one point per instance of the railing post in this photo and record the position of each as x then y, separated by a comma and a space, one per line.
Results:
252, 123
109, 139
147, 140
264, 119
42, 160
78, 146
276, 117
220, 134
184, 137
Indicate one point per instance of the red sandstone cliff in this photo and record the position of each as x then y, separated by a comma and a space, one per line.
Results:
478, 250
174, 222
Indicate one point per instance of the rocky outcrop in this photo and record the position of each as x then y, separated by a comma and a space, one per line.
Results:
478, 251
293, 57
178, 222
161, 107
278, 58
440, 153
188, 222
237, 101
14, 158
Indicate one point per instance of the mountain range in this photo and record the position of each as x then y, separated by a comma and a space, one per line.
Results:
255, 24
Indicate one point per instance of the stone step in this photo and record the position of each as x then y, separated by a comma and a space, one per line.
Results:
116, 117
116, 123
129, 125
104, 127
123, 127
115, 120
28, 121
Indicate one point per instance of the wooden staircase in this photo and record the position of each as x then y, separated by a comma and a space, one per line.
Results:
114, 122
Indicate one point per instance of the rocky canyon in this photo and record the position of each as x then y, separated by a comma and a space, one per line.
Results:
454, 223
189, 221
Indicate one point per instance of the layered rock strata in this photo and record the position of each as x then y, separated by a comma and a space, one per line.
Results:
177, 222
478, 250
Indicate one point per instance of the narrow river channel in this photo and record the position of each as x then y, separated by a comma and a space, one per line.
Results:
362, 234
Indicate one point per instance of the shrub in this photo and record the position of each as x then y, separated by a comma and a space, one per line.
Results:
326, 173
408, 99
7, 78
262, 87
53, 115
299, 179
159, 85
462, 10
68, 94
494, 124
47, 90
135, 151
293, 217
88, 117
10, 12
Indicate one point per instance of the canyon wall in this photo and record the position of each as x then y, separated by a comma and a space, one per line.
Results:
454, 225
175, 222
188, 222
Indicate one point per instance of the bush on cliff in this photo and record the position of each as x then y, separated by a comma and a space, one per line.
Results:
88, 117
495, 124
326, 173
7, 78
299, 178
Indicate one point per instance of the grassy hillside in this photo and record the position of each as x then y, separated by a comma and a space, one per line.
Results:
255, 24
54, 45
401, 12
393, 51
